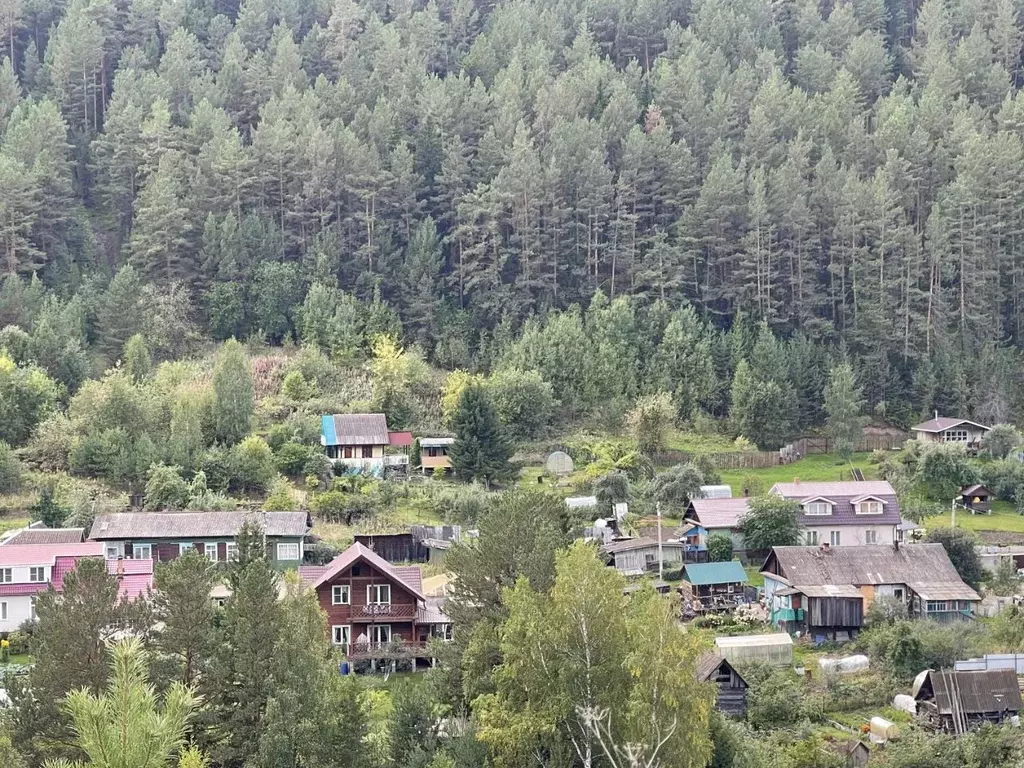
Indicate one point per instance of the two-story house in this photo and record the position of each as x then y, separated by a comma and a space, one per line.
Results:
28, 569
845, 513
162, 536
362, 442
376, 610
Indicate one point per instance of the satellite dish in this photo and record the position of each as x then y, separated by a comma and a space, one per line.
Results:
559, 463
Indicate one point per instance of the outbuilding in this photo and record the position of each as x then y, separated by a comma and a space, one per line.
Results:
731, 698
774, 649
956, 702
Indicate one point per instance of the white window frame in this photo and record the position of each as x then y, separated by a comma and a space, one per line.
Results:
813, 538
956, 436
138, 549
341, 594
183, 548
870, 536
113, 552
6, 575
288, 547
37, 574
207, 550
835, 538
341, 635
380, 630
3, 611
867, 506
376, 592
814, 509
32, 609
231, 551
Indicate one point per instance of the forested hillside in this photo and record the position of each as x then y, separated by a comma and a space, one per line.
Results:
845, 172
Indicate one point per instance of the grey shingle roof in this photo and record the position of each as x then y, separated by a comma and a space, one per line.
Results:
717, 513
641, 542
176, 525
46, 536
985, 690
358, 429
842, 494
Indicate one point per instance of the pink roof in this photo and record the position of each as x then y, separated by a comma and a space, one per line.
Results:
15, 590
135, 577
400, 439
46, 554
409, 577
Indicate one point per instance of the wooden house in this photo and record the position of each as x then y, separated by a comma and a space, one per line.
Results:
825, 591
362, 442
977, 499
633, 557
719, 515
731, 698
375, 610
956, 702
163, 536
434, 453
714, 586
943, 429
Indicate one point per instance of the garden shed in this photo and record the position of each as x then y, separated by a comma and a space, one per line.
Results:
774, 649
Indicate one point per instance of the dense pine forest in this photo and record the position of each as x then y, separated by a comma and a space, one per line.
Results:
616, 194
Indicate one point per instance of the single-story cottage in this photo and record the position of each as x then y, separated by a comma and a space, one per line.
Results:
956, 702
714, 586
719, 515
362, 442
827, 590
632, 557
943, 429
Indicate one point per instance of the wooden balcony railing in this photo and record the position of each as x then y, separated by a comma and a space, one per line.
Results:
384, 612
396, 649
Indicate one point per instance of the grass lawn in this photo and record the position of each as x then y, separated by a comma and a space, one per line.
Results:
819, 467
691, 442
1003, 518
19, 658
754, 575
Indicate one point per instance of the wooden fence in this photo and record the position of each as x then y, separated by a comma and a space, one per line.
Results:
806, 446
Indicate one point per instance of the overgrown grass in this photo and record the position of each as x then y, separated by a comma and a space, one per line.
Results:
1003, 518
693, 442
817, 468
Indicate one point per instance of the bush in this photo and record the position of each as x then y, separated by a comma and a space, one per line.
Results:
320, 553
296, 387
719, 548
165, 488
1000, 440
320, 467
252, 465
280, 497
20, 642
464, 505
775, 699
290, 459
10, 469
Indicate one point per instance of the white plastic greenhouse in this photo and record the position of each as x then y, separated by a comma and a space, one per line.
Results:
776, 649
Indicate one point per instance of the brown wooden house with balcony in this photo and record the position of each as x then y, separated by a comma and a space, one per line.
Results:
375, 610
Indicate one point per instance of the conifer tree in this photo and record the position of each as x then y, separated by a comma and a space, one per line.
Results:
480, 450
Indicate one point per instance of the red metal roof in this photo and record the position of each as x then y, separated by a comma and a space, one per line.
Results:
408, 576
400, 439
15, 590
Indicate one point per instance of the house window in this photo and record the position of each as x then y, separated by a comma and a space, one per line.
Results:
341, 634
347, 452
211, 551
367, 451
3, 611
936, 606
231, 551
898, 593
442, 631
835, 538
142, 552
37, 574
378, 594
869, 508
6, 576
287, 551
871, 536
32, 609
113, 552
812, 538
818, 508
184, 548
380, 634
340, 595
956, 436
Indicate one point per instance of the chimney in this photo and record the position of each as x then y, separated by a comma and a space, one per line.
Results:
936, 414
824, 546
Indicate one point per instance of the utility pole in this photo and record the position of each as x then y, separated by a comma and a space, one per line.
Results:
661, 558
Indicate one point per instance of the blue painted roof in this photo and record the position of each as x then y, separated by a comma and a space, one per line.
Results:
327, 433
715, 573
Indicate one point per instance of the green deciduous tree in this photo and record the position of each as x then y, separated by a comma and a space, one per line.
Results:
232, 406
960, 546
650, 422
719, 547
137, 360
771, 521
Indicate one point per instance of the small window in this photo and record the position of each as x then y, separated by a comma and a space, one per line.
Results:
341, 634
869, 508
211, 551
32, 609
956, 436
378, 594
812, 538
340, 595
287, 551
37, 574
348, 452
142, 552
6, 576
836, 538
231, 551
113, 553
818, 508
367, 451
871, 536
184, 549
3, 611
380, 634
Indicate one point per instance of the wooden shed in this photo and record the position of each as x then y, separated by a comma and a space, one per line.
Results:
731, 698
956, 702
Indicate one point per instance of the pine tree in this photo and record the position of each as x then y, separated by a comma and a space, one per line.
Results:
184, 644
480, 450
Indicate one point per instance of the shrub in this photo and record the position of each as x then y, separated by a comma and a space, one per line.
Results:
252, 465
1000, 440
10, 470
165, 488
280, 498
775, 698
296, 387
290, 459
719, 547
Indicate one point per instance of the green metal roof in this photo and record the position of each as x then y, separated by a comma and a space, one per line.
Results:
715, 573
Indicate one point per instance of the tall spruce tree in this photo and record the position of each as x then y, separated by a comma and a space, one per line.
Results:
480, 451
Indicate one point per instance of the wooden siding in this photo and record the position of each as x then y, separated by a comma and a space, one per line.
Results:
837, 612
403, 602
